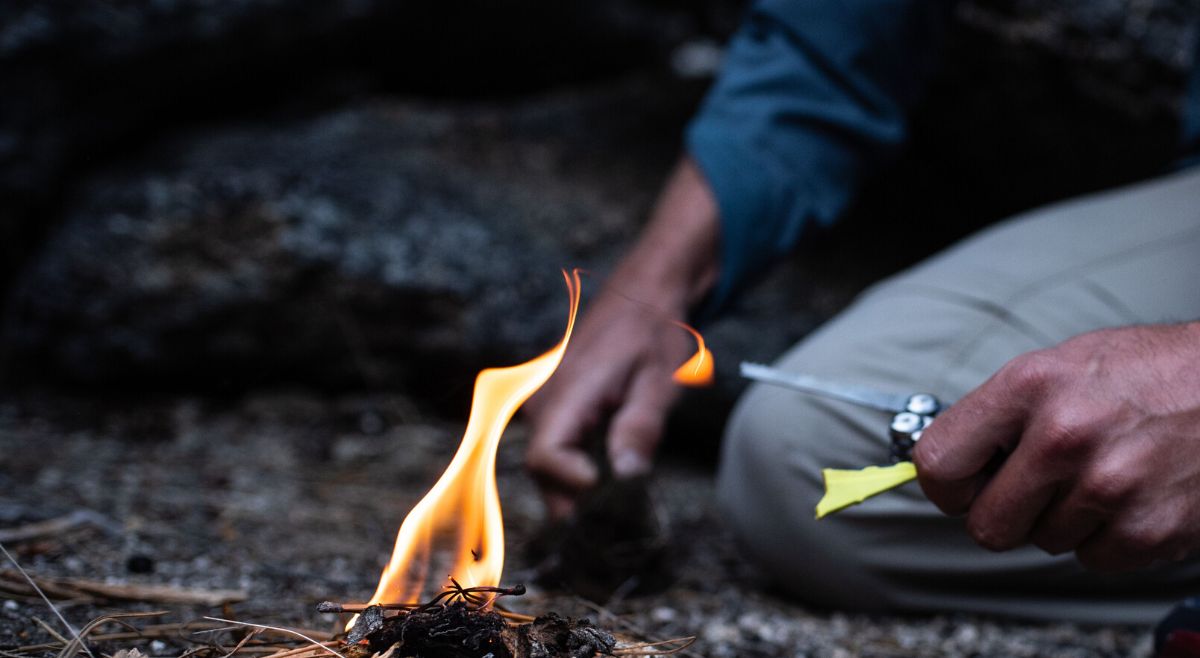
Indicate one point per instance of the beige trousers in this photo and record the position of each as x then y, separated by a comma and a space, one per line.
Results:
1122, 257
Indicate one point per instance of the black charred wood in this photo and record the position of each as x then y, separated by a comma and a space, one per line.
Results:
554, 636
455, 630
369, 621
462, 630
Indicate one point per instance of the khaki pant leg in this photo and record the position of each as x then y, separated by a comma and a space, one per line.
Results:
1124, 257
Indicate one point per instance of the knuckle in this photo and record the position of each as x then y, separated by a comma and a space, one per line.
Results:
1107, 488
1032, 369
1129, 547
1146, 543
1155, 540
1066, 435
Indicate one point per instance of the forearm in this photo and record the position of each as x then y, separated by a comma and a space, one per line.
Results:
675, 263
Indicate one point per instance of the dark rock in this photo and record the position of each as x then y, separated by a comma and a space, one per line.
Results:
407, 244
87, 82
1129, 55
393, 244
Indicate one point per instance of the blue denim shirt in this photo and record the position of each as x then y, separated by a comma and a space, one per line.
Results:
814, 96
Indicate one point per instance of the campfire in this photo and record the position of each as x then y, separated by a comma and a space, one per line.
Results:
458, 529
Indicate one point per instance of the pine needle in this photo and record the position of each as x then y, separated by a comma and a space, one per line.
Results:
280, 630
655, 648
42, 594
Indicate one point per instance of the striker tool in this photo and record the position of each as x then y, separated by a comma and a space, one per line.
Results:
911, 414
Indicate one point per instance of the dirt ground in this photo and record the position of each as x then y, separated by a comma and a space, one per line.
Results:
295, 499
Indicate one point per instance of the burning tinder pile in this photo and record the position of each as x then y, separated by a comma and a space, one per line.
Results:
457, 529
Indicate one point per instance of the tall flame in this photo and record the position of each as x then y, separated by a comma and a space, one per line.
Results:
464, 504
698, 370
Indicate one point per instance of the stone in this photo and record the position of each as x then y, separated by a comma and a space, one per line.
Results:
390, 244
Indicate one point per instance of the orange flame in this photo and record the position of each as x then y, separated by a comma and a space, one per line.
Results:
698, 370
464, 503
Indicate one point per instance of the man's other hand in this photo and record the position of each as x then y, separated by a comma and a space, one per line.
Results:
618, 366
1092, 446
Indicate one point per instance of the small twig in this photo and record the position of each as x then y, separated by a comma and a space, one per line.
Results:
298, 650
652, 648
237, 647
78, 588
53, 633
280, 630
514, 617
452, 591
271, 651
40, 593
14, 583
77, 644
469, 594
157, 593
57, 525
331, 607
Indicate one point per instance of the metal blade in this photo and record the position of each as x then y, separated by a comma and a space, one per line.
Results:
854, 394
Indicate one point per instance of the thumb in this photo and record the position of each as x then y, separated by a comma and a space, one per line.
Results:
956, 451
637, 427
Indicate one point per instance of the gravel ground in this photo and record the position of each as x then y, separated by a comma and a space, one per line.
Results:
295, 499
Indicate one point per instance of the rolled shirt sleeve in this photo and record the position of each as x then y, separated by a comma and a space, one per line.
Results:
812, 97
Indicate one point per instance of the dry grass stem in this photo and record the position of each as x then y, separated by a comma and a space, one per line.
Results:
280, 630
53, 633
299, 651
89, 590
53, 609
56, 526
74, 646
656, 648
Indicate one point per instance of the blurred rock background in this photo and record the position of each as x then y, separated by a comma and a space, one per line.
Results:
341, 195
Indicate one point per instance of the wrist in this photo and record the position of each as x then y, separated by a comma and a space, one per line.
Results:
675, 261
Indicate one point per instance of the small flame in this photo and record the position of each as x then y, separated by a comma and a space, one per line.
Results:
464, 504
698, 370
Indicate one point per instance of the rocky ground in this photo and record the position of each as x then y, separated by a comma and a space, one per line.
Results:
295, 499
253, 252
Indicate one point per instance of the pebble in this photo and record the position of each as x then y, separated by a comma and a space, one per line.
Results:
663, 614
140, 563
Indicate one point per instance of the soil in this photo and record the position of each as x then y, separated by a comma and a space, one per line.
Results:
296, 498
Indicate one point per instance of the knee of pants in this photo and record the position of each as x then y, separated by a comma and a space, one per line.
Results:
768, 485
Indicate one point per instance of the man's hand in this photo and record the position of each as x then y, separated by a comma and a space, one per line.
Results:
1099, 439
620, 361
